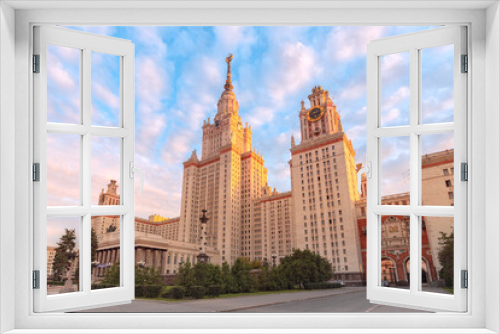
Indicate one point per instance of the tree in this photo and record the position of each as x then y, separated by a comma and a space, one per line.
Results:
93, 245
112, 275
65, 254
303, 267
241, 273
445, 257
228, 282
207, 274
186, 276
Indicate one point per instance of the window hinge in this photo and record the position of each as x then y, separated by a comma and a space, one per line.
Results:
465, 279
465, 64
36, 279
36, 63
36, 172
464, 173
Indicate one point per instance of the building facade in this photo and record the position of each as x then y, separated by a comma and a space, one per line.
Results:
437, 189
324, 190
323, 211
225, 181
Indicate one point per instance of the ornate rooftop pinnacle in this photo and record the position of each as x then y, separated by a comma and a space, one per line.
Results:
229, 85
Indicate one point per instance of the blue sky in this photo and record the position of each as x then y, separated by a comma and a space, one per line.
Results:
180, 73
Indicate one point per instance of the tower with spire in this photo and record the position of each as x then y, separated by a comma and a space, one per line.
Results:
323, 174
229, 174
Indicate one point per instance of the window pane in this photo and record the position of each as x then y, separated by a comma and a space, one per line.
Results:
437, 254
105, 89
395, 89
105, 252
437, 169
105, 170
63, 250
437, 84
63, 169
63, 84
395, 170
395, 256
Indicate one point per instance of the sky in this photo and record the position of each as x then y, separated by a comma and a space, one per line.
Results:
180, 74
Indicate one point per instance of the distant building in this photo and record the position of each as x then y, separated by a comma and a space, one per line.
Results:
51, 253
437, 189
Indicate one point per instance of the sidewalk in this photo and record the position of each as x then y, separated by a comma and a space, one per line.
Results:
222, 304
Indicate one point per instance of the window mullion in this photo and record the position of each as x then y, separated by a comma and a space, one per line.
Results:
85, 249
414, 171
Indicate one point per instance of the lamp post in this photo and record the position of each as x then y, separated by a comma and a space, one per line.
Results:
274, 260
94, 265
202, 256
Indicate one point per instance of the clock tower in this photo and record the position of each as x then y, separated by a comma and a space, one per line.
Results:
321, 118
323, 173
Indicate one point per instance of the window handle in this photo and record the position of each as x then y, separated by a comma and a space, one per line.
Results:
133, 170
368, 171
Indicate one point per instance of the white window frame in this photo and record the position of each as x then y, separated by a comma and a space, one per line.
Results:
125, 132
484, 103
413, 43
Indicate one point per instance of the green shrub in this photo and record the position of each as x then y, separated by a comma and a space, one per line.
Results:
197, 292
214, 290
152, 291
177, 292
139, 291
166, 292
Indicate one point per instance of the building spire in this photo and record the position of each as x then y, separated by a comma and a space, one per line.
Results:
229, 84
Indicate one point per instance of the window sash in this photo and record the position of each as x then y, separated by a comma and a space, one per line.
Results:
87, 43
413, 43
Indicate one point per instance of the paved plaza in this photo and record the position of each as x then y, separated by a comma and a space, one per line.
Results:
336, 300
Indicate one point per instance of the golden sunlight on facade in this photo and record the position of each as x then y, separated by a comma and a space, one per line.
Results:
323, 211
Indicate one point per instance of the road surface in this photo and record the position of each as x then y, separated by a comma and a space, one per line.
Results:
333, 300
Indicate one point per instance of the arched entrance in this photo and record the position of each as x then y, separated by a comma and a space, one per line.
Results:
388, 271
426, 278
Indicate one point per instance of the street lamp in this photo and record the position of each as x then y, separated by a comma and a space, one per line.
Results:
202, 256
94, 265
274, 260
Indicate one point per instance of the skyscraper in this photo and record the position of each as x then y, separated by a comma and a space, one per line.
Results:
229, 175
324, 191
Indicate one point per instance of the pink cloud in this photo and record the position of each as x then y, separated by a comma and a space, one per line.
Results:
349, 42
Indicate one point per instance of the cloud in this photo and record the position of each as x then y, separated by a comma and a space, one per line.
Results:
346, 43
232, 37
105, 95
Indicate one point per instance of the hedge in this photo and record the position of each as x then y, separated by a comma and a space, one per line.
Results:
214, 290
197, 292
148, 291
177, 292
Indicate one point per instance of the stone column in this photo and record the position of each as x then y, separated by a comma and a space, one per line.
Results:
148, 258
164, 262
158, 259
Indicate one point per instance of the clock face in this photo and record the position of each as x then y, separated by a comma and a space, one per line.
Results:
314, 114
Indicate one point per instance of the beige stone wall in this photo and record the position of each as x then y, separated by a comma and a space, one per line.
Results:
272, 228
437, 189
323, 185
